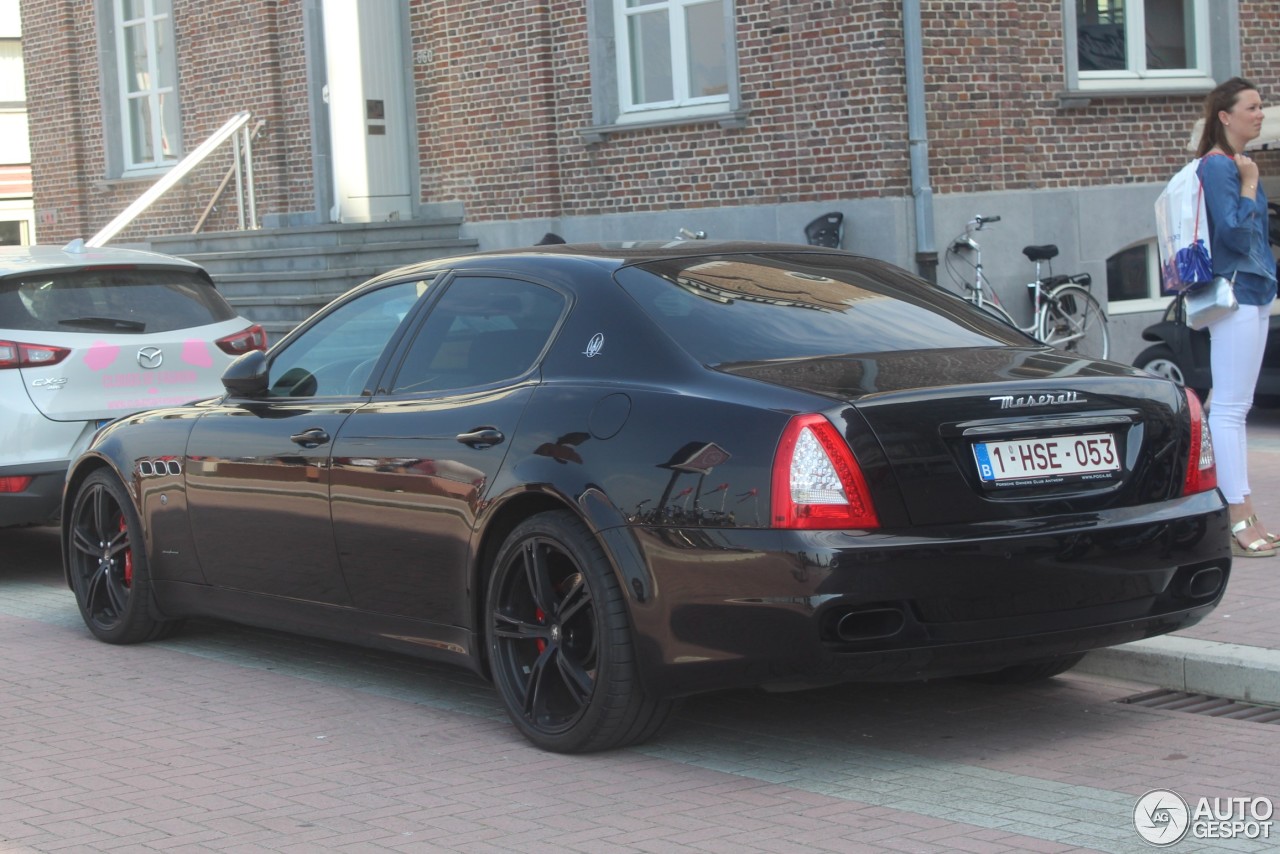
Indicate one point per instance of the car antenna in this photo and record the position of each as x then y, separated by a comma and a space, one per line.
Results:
75, 247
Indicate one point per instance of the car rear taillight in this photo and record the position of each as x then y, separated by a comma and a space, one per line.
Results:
1202, 473
14, 484
253, 338
817, 483
15, 354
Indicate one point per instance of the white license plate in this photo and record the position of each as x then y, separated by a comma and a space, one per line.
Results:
1035, 459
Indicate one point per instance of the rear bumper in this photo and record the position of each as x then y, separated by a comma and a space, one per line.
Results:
732, 608
39, 503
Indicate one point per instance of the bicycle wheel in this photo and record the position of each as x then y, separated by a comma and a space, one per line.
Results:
1072, 320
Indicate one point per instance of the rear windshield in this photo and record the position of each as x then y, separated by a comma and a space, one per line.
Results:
139, 301
747, 308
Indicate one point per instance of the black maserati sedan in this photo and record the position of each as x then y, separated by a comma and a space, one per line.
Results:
606, 477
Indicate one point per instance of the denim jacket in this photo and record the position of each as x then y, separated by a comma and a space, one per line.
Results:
1238, 232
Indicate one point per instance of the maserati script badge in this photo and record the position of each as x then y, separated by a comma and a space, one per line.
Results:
150, 357
1051, 398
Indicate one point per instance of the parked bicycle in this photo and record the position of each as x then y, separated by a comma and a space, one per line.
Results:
1064, 314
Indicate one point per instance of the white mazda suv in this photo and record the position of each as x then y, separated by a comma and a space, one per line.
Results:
88, 335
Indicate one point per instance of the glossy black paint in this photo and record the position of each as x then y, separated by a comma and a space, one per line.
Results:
374, 517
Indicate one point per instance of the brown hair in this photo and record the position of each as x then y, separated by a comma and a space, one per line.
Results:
1221, 99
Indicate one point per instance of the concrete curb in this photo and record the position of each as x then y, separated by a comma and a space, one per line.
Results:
1238, 672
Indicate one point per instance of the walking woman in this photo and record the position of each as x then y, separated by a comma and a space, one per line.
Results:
1238, 238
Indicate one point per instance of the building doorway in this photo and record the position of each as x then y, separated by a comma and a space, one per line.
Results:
369, 112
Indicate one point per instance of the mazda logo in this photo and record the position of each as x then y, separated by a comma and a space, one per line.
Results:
150, 357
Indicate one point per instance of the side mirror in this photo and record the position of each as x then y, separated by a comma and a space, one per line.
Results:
247, 375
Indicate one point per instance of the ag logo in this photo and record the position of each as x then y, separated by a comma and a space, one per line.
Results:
150, 357
1161, 817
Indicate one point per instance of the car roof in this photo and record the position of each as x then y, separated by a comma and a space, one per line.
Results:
28, 259
608, 255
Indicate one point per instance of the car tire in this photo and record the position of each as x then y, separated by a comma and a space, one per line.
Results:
107, 564
1031, 671
1161, 361
560, 645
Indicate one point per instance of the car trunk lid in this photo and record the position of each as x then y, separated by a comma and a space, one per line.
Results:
104, 377
1001, 433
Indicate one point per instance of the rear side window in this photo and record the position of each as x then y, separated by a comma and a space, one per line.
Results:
747, 308
121, 301
484, 330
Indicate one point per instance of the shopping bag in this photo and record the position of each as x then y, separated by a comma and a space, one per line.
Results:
1182, 232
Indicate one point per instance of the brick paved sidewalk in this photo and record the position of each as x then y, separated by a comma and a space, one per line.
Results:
1235, 651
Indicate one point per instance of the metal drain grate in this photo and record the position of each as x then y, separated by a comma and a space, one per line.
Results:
1204, 704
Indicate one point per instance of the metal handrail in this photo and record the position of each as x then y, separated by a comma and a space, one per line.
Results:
238, 122
233, 171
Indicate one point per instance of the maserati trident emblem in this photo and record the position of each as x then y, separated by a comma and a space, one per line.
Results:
594, 346
150, 357
1050, 398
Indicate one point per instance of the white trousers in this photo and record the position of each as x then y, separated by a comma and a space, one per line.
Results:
1235, 358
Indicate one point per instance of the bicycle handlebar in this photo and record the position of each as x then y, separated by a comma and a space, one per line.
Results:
983, 220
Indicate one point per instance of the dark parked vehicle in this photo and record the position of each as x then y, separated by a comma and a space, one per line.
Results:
608, 477
1181, 353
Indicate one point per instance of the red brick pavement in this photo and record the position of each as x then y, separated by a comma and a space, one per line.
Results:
224, 739
1250, 610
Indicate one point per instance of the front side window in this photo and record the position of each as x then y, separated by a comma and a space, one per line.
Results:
336, 355
1136, 44
147, 85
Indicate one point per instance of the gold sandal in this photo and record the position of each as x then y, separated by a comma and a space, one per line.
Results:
1261, 547
1271, 538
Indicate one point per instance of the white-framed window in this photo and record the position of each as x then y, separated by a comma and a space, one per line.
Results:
1139, 44
659, 62
673, 54
1133, 280
146, 84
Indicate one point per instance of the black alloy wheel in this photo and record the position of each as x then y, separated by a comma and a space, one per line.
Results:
560, 642
108, 564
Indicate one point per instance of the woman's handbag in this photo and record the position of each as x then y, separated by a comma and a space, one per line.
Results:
1210, 302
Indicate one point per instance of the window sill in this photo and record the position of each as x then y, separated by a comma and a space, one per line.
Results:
1076, 99
142, 176
599, 133
1138, 306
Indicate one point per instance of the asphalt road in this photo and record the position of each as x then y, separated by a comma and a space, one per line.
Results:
228, 739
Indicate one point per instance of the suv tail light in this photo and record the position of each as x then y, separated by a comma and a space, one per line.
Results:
15, 354
817, 483
1202, 473
253, 338
15, 484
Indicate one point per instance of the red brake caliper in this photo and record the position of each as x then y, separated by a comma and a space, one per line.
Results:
542, 618
128, 557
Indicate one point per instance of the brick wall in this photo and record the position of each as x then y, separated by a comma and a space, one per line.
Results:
825, 84
502, 91
232, 57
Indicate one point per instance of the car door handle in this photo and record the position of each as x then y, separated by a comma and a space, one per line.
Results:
310, 438
482, 437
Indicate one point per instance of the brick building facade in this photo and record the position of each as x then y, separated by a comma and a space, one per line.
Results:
511, 124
